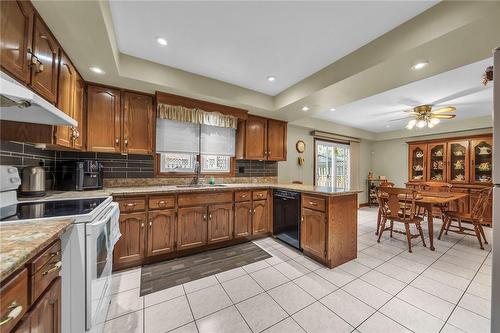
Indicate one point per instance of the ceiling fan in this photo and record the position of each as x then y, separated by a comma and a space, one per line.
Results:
423, 116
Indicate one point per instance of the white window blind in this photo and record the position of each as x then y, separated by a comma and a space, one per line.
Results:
218, 140
177, 137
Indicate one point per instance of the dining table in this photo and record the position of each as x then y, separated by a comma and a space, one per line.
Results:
428, 200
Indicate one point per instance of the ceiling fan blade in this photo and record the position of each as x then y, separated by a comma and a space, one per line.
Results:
397, 119
443, 116
444, 110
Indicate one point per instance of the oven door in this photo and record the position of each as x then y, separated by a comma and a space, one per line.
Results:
99, 262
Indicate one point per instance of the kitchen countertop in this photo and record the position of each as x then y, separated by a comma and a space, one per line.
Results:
21, 241
141, 190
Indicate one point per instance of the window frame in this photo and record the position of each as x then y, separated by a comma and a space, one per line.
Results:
159, 174
315, 141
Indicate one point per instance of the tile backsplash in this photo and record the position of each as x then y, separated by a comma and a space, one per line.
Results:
115, 165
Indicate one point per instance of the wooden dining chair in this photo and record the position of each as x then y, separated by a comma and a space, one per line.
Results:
475, 217
379, 213
398, 205
438, 187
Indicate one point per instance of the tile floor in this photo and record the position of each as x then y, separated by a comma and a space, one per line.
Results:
386, 289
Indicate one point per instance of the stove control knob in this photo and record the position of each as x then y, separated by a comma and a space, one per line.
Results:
12, 170
14, 180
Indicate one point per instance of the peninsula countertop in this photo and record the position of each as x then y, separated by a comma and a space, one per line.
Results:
143, 190
20, 241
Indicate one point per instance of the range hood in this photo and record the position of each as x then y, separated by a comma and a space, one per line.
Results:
18, 103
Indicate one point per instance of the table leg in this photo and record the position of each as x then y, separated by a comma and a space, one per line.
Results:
430, 225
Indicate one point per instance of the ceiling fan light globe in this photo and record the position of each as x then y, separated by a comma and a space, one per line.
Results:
434, 121
411, 124
421, 123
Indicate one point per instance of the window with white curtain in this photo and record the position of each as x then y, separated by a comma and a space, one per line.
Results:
332, 164
181, 144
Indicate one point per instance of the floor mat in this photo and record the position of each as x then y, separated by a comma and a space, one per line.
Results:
166, 274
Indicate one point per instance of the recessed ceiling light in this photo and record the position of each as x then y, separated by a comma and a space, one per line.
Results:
161, 41
271, 78
305, 108
97, 70
332, 109
419, 65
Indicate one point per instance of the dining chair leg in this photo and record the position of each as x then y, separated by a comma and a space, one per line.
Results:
450, 220
478, 235
481, 230
443, 226
408, 236
421, 232
379, 217
392, 226
381, 230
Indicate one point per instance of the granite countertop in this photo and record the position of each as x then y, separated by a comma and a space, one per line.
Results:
140, 190
21, 241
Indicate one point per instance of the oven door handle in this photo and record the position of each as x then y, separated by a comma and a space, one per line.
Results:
110, 212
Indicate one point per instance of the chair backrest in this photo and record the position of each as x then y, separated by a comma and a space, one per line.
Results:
397, 203
386, 184
435, 187
479, 208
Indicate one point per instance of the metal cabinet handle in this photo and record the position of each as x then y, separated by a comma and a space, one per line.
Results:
250, 210
150, 223
133, 204
142, 224
260, 195
56, 267
210, 216
269, 152
302, 219
204, 217
243, 196
126, 142
313, 203
117, 141
13, 313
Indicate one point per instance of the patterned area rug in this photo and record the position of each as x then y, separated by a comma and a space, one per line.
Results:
166, 274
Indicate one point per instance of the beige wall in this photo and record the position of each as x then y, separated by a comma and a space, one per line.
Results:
390, 157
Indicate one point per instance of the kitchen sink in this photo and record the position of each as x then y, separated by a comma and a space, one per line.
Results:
199, 185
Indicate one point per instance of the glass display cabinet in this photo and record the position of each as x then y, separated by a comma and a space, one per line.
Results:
481, 161
436, 164
417, 162
458, 166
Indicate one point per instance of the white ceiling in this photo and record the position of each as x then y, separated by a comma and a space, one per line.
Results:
460, 87
245, 42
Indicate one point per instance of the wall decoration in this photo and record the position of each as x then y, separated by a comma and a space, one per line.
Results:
300, 146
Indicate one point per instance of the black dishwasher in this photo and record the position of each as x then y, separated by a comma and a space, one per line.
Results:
286, 221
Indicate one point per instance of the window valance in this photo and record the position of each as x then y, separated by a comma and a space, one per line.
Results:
196, 116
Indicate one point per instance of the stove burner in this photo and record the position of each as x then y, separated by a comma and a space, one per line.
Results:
44, 209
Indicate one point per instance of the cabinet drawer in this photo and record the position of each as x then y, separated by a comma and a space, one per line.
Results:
204, 198
315, 203
13, 301
259, 195
42, 279
242, 196
51, 252
161, 202
128, 205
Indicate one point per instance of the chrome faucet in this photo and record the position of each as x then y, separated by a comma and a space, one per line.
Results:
197, 169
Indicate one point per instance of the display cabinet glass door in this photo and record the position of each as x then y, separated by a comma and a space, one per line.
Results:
458, 166
417, 165
481, 161
436, 162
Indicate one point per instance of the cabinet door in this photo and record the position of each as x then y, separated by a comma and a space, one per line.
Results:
79, 112
137, 123
220, 223
436, 162
161, 232
191, 227
313, 232
417, 155
481, 161
242, 219
16, 29
65, 99
103, 119
260, 220
130, 248
46, 315
458, 162
276, 140
44, 64
256, 138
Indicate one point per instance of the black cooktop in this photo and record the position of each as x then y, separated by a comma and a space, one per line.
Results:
43, 209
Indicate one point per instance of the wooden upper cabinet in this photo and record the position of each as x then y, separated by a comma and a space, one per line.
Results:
256, 138
103, 119
191, 227
481, 157
79, 112
436, 162
313, 232
417, 163
16, 20
66, 99
260, 220
44, 61
276, 140
220, 223
458, 162
130, 247
137, 123
161, 232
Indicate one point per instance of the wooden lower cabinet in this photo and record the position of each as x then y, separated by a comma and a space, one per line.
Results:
220, 223
46, 314
191, 227
161, 232
313, 232
130, 248
260, 218
242, 219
